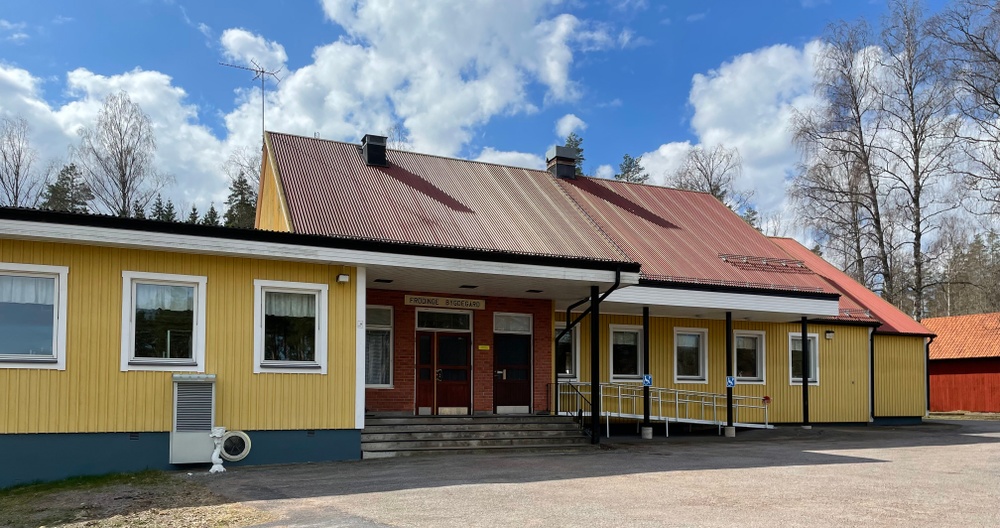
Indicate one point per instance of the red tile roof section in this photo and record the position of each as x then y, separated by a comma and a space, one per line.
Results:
684, 236
965, 336
854, 296
432, 200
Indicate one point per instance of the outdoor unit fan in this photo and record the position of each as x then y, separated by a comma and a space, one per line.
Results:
235, 446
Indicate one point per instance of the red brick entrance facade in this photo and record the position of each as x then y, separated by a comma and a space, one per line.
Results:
401, 396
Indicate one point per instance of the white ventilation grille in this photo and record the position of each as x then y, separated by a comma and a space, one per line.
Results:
194, 417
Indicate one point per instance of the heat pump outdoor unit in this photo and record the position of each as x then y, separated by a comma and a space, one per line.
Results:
194, 417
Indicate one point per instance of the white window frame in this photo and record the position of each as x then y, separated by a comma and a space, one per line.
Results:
637, 378
813, 356
321, 291
58, 359
574, 340
703, 356
761, 357
392, 350
131, 363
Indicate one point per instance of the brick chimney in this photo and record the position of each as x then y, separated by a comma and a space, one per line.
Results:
561, 162
373, 150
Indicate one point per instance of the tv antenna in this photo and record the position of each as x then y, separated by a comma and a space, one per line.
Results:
259, 73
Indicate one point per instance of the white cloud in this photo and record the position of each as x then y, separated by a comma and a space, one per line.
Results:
242, 46
513, 158
696, 17
568, 124
605, 171
7, 25
664, 161
14, 30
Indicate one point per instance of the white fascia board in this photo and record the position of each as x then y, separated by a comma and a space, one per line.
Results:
103, 236
683, 298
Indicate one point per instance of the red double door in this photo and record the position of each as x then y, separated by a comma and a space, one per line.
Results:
444, 373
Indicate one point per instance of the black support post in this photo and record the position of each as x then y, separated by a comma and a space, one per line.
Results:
805, 372
729, 368
595, 365
645, 365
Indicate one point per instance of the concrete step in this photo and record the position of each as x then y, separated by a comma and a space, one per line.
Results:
522, 449
442, 434
454, 420
473, 443
472, 427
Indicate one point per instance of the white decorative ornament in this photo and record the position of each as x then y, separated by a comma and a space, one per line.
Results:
217, 434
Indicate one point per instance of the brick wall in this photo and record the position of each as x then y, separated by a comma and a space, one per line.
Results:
400, 398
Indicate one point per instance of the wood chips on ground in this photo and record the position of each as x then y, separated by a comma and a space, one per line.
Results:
146, 499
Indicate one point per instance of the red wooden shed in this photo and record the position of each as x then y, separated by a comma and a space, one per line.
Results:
965, 363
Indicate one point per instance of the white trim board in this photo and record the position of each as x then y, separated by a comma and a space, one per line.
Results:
725, 301
103, 236
360, 304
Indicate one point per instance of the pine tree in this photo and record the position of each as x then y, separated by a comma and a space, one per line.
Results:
241, 209
574, 141
158, 212
193, 215
211, 218
169, 213
138, 211
68, 193
631, 170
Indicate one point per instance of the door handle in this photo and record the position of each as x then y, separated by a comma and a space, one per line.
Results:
502, 374
440, 375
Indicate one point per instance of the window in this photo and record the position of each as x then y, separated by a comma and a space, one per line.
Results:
163, 322
508, 323
33, 316
626, 353
290, 327
749, 356
378, 347
444, 320
567, 353
795, 358
690, 358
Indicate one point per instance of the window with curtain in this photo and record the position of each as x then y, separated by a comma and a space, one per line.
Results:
795, 361
163, 321
27, 316
289, 326
626, 354
378, 346
690, 362
749, 361
566, 354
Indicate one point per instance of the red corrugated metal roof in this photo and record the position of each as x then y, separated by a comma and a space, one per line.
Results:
684, 236
854, 296
965, 336
431, 200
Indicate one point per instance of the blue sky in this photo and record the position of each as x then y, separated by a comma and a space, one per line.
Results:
499, 82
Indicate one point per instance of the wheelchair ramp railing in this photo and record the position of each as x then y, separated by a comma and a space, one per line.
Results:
626, 401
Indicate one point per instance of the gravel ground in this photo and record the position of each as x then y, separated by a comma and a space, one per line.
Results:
945, 473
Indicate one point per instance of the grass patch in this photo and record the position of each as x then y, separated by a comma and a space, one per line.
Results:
147, 498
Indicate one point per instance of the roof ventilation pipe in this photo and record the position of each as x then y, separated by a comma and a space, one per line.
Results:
373, 150
561, 162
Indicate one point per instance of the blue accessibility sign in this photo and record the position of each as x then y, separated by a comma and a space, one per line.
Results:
647, 380
730, 382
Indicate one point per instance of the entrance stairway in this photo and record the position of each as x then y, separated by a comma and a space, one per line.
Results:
414, 435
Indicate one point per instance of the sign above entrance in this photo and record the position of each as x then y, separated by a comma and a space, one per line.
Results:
446, 302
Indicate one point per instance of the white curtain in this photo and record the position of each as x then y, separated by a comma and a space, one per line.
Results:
290, 304
377, 357
164, 297
27, 290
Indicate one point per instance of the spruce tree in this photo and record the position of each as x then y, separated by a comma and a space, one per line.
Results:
211, 217
68, 193
575, 141
138, 211
193, 215
631, 170
169, 213
158, 212
241, 209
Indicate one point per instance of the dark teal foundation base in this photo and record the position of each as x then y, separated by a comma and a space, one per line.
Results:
26, 458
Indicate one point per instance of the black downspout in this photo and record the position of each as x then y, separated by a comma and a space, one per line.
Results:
645, 365
871, 372
729, 368
927, 372
805, 372
595, 365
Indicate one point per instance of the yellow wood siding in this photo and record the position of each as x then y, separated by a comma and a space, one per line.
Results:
841, 396
272, 211
900, 382
93, 395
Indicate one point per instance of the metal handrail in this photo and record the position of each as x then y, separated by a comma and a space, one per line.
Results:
581, 403
623, 400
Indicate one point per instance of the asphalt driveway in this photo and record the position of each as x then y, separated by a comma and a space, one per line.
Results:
945, 473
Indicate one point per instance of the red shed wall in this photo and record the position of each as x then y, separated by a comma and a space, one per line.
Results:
965, 385
400, 398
